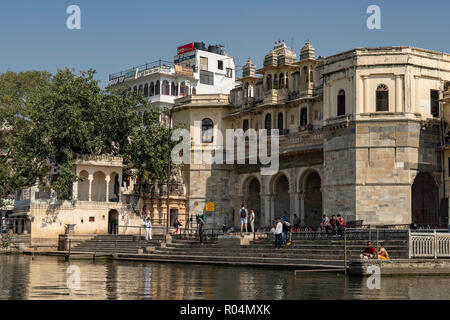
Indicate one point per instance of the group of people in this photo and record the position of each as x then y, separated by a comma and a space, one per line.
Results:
283, 232
336, 225
370, 252
247, 219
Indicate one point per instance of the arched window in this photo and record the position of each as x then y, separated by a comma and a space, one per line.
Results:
174, 89
305, 74
245, 125
207, 131
303, 116
275, 82
165, 88
268, 123
286, 85
246, 90
281, 84
141, 89
341, 103
280, 121
184, 89
382, 103
146, 90
269, 82
157, 88
152, 89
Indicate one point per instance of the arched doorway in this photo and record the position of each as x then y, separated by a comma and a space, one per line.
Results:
253, 200
113, 222
425, 200
98, 191
83, 186
282, 199
313, 200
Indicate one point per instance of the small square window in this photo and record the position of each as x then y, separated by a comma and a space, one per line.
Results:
220, 65
91, 219
229, 73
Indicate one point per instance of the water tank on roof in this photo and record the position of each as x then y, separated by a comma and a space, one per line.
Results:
200, 46
218, 49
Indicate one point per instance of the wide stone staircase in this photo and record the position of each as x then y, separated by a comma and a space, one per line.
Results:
317, 253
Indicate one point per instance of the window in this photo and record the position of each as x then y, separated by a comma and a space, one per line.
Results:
341, 103
434, 97
229, 73
166, 88
281, 84
245, 125
382, 103
220, 65
303, 117
269, 82
141, 89
135, 90
194, 91
152, 89
91, 219
157, 88
207, 77
203, 63
207, 131
268, 123
184, 89
174, 89
280, 121
146, 90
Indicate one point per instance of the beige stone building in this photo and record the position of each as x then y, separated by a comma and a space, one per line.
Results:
360, 135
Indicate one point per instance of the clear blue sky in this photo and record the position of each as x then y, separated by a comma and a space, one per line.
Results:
118, 34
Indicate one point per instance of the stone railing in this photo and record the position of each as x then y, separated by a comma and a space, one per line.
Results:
429, 245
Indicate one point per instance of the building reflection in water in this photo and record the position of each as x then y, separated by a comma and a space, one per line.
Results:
22, 277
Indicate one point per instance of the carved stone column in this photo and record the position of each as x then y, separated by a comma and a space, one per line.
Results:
90, 179
107, 180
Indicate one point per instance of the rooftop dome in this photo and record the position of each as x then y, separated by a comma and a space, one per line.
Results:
249, 70
280, 55
308, 51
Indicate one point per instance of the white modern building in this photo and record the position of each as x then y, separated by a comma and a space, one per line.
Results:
195, 70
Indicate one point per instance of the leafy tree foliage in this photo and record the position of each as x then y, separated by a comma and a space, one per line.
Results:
50, 119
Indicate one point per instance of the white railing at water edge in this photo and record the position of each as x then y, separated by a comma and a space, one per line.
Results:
429, 245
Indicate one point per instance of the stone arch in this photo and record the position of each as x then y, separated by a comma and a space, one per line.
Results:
83, 186
113, 221
425, 200
98, 190
281, 198
114, 187
310, 188
252, 190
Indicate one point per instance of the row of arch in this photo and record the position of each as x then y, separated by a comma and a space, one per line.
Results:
311, 206
280, 81
164, 88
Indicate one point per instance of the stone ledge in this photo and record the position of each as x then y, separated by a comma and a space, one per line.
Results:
401, 267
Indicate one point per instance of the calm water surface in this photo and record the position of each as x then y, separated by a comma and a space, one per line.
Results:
22, 277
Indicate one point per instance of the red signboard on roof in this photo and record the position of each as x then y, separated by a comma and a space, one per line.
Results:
186, 48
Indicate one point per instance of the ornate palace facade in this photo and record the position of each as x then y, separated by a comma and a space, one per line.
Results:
361, 135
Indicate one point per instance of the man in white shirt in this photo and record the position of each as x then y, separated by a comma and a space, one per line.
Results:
148, 229
325, 224
278, 234
252, 220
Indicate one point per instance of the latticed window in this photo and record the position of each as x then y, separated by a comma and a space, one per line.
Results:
382, 103
207, 131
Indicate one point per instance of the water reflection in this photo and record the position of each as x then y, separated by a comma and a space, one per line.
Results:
22, 277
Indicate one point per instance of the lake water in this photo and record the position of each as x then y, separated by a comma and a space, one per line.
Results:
22, 277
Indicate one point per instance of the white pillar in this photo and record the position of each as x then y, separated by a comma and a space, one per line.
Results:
107, 180
398, 94
75, 191
90, 178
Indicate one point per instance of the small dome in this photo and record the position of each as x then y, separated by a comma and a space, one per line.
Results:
249, 70
308, 51
280, 55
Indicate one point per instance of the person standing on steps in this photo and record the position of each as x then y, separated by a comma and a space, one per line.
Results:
278, 234
252, 220
148, 229
243, 213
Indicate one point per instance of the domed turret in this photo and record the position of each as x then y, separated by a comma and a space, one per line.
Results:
280, 55
308, 51
249, 70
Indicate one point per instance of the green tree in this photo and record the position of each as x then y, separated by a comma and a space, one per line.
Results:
70, 114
